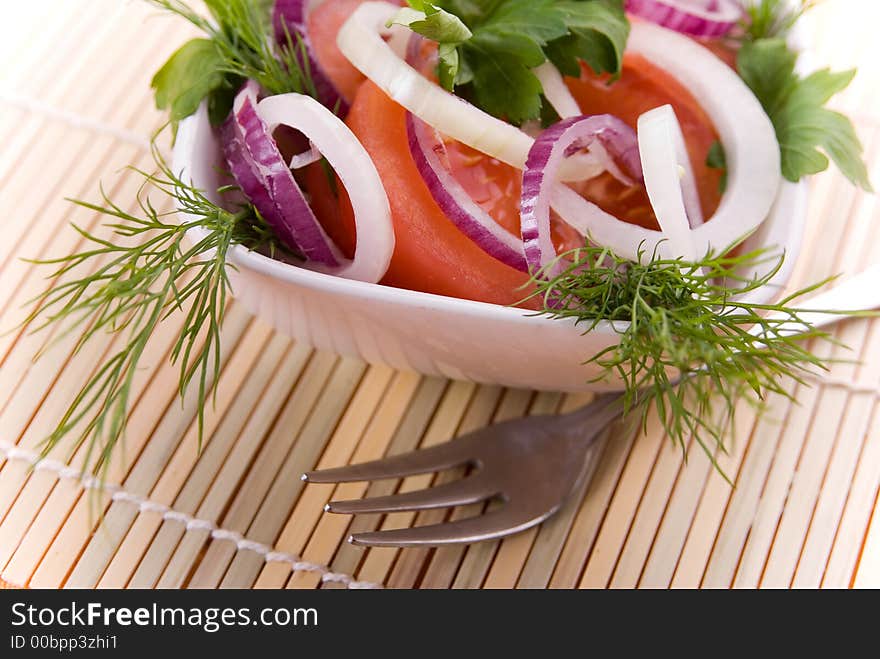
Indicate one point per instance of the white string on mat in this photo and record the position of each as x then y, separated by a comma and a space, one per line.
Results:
270, 554
73, 119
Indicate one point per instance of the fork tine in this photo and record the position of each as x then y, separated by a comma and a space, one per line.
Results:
458, 493
436, 458
496, 524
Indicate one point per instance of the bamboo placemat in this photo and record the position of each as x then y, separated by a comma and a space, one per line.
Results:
75, 107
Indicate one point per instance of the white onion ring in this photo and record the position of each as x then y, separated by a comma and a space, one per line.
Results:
669, 179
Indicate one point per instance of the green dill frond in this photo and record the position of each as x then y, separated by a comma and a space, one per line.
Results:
767, 19
152, 267
688, 339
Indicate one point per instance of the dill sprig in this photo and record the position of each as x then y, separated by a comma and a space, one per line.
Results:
151, 267
688, 337
766, 19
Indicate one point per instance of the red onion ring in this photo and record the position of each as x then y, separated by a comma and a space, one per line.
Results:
266, 180
549, 151
354, 167
242, 167
293, 14
455, 202
698, 18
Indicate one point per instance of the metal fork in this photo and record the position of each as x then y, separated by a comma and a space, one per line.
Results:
532, 464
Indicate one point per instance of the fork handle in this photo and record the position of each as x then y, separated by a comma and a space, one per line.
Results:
598, 413
858, 293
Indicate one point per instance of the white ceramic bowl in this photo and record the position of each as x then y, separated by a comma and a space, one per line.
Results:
433, 334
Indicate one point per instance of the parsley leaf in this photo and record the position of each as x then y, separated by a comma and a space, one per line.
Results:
432, 22
773, 18
503, 86
597, 36
440, 26
535, 20
193, 72
795, 105
488, 48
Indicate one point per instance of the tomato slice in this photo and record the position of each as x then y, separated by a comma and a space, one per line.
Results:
322, 23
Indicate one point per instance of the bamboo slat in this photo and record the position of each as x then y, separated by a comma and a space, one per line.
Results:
75, 108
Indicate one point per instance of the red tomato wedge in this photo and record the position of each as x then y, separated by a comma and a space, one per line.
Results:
322, 23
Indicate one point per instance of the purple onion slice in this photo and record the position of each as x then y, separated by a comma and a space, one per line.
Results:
266, 180
455, 202
540, 175
698, 18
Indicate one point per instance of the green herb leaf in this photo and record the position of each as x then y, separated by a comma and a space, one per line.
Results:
503, 86
535, 20
598, 35
472, 12
773, 18
433, 23
717, 159
193, 72
505, 46
491, 63
440, 26
449, 65
795, 105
